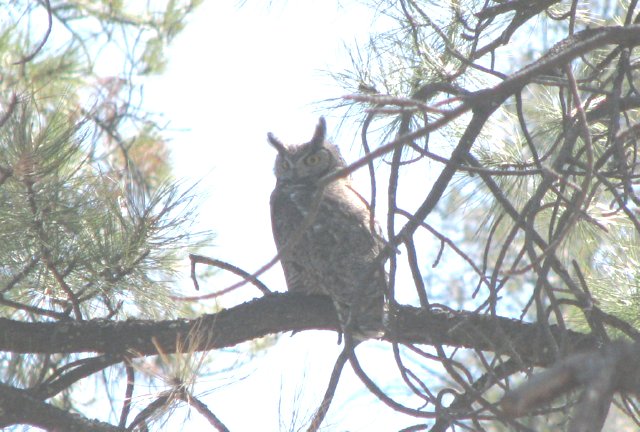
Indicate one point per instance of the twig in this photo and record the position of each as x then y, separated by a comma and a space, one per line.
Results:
200, 259
373, 388
331, 389
78, 370
203, 409
31, 56
128, 394
13, 102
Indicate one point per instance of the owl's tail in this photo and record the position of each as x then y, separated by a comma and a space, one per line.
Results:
363, 318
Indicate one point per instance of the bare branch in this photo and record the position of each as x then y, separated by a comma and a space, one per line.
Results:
281, 313
226, 266
42, 43
20, 407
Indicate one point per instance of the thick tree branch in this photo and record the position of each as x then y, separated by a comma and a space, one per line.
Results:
19, 407
558, 56
281, 313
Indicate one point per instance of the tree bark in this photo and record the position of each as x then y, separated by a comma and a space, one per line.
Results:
289, 312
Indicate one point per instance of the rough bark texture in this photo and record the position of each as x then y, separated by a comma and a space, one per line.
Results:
19, 407
281, 313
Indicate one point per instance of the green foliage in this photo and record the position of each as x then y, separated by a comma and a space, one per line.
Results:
91, 219
91, 222
538, 218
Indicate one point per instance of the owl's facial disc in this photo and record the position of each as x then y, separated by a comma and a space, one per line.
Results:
285, 164
306, 162
312, 160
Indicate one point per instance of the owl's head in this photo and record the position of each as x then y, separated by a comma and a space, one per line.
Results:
306, 162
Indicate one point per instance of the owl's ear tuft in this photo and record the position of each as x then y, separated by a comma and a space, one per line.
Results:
276, 143
319, 134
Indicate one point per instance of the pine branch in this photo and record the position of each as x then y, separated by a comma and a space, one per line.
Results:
289, 312
19, 407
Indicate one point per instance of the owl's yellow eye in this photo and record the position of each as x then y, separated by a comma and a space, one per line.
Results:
285, 165
311, 160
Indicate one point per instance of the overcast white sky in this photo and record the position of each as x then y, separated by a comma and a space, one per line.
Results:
235, 74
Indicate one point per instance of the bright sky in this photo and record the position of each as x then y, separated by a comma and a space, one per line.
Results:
235, 74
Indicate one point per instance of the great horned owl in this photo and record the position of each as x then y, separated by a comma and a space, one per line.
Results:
323, 233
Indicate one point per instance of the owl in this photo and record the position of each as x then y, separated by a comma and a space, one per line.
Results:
324, 236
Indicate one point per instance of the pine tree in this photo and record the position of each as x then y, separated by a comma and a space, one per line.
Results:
500, 139
92, 223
